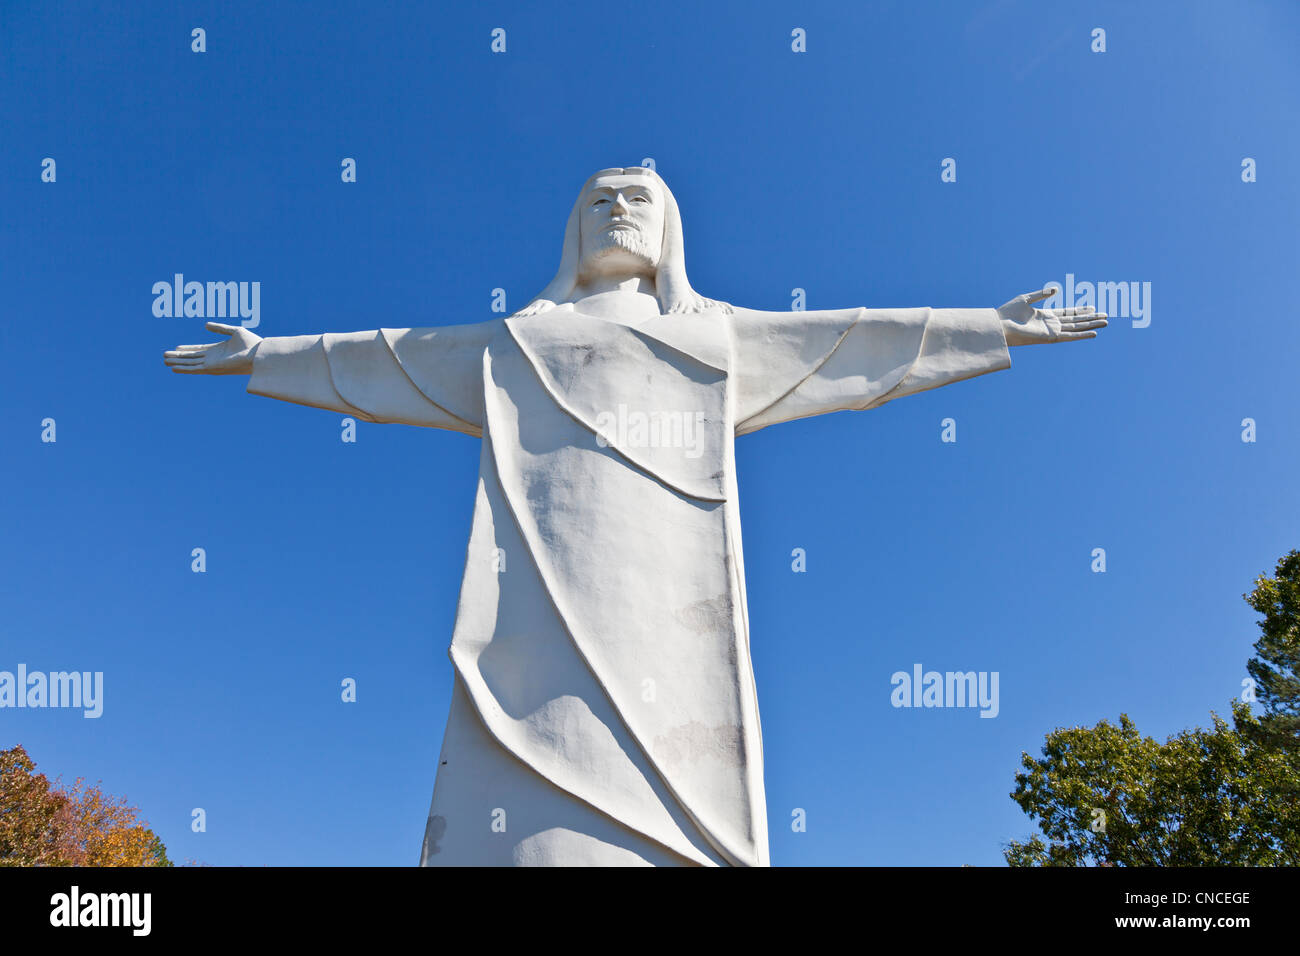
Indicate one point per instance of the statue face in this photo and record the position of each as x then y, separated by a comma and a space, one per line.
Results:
622, 226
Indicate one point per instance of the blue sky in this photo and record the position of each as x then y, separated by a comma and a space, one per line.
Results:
817, 170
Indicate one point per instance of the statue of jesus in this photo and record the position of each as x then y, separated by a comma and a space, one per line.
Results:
603, 709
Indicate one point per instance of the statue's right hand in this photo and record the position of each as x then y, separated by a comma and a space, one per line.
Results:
232, 356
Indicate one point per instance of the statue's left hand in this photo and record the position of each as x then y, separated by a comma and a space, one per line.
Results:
1025, 325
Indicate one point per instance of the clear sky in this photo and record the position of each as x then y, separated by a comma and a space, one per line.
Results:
817, 170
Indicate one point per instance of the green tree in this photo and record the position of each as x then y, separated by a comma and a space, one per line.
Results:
1275, 668
1230, 795
1109, 796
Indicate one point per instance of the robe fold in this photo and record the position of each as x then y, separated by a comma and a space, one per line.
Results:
604, 709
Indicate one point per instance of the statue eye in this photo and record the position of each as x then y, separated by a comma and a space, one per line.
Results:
640, 199
599, 201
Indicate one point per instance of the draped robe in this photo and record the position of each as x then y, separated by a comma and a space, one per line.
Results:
604, 709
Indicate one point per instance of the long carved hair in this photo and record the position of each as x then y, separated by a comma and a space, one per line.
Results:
672, 289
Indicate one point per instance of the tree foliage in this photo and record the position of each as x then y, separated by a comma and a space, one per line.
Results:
1228, 795
1275, 668
43, 824
1107, 795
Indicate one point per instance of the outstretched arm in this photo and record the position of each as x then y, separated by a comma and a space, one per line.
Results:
791, 365
430, 377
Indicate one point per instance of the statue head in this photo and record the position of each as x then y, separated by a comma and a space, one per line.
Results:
620, 226
625, 223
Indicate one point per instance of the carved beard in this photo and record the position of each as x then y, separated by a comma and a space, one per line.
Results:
623, 242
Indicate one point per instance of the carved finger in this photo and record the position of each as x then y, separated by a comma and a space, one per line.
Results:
223, 329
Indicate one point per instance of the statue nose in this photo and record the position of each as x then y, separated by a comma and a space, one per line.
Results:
620, 205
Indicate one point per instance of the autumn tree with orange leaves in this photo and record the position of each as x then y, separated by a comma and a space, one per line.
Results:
44, 824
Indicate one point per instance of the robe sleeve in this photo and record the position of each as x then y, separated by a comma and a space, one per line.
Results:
431, 377
790, 365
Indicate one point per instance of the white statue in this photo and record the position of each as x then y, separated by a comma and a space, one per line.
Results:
604, 709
